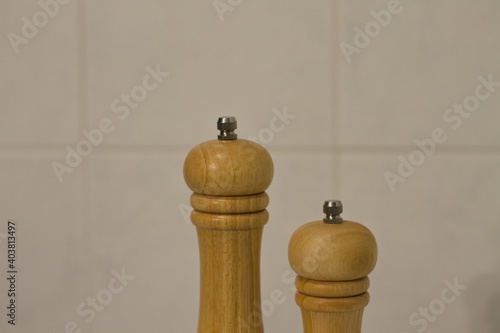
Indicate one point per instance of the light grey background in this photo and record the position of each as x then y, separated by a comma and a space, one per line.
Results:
125, 205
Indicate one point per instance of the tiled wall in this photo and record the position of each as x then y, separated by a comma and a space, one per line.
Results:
356, 93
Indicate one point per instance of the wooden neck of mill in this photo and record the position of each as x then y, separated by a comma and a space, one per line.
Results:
229, 237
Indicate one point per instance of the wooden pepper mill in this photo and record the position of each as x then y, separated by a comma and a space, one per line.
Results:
228, 177
332, 258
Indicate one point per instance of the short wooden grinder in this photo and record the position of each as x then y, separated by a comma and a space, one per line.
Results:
332, 258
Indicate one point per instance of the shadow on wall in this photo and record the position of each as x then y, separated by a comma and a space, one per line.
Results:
483, 298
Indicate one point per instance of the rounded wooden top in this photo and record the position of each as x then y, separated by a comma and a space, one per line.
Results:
332, 252
228, 168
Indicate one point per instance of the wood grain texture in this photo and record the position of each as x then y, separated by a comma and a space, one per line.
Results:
332, 289
229, 205
227, 168
228, 179
332, 322
332, 252
230, 278
332, 261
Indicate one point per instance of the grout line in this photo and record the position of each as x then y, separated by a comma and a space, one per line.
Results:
59, 151
84, 122
440, 150
383, 151
338, 75
38, 151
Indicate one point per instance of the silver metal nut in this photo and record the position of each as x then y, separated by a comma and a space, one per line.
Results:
332, 210
227, 125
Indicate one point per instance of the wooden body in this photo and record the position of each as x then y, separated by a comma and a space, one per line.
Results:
332, 307
332, 262
229, 179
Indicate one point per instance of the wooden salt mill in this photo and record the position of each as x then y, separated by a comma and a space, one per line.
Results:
332, 259
228, 177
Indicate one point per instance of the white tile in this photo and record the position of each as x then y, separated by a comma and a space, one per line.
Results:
442, 223
261, 57
39, 84
139, 226
427, 58
52, 244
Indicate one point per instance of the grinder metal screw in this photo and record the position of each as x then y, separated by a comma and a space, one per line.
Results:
227, 125
332, 209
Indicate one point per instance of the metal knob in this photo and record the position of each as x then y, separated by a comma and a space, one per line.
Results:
332, 210
227, 125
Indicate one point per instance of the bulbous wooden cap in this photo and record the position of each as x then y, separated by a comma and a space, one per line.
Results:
228, 168
332, 251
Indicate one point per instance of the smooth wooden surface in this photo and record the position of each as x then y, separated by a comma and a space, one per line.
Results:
332, 289
230, 272
332, 322
332, 252
332, 262
229, 205
228, 179
227, 168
